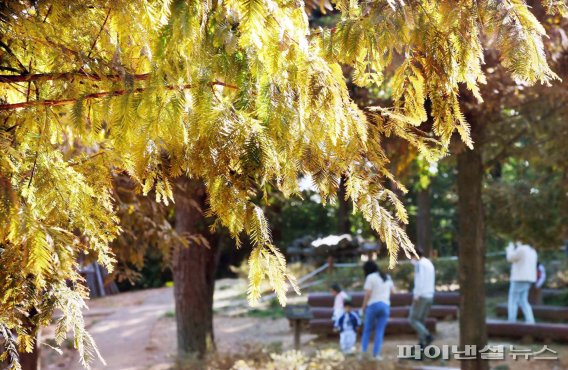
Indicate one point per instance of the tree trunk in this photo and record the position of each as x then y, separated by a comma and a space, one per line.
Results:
424, 222
343, 223
31, 361
471, 256
194, 272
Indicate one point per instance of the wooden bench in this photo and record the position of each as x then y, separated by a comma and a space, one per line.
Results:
445, 306
398, 299
395, 325
437, 312
528, 332
543, 312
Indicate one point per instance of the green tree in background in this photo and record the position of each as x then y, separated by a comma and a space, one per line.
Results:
439, 181
502, 93
527, 194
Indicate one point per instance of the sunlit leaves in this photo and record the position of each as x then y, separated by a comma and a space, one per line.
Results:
238, 94
519, 37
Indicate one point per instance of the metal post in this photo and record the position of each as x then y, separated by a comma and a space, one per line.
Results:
99, 279
297, 333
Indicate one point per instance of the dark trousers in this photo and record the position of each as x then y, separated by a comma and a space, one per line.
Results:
418, 313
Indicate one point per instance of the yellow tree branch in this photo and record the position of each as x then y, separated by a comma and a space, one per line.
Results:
98, 95
67, 76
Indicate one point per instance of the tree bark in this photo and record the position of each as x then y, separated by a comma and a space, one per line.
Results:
31, 360
471, 256
424, 222
343, 223
194, 272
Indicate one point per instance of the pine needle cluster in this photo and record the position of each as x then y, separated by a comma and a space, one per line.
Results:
240, 94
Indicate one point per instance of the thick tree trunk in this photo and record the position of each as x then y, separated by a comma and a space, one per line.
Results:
471, 255
424, 222
344, 209
31, 361
194, 272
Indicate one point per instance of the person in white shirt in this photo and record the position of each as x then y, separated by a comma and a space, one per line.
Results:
422, 297
376, 306
523, 260
338, 301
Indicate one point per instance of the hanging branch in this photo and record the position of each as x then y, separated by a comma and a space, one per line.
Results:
48, 13
68, 76
4, 68
82, 161
103, 94
37, 152
9, 51
98, 34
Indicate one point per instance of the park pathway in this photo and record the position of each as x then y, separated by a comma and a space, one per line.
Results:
131, 329
125, 335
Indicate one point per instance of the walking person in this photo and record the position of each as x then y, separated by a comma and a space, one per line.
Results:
376, 307
422, 297
523, 259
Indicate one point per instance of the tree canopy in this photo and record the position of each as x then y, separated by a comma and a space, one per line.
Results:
239, 94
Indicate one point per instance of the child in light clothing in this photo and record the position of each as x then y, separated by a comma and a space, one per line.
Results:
339, 296
347, 325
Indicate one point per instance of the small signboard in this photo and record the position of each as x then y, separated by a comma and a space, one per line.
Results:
298, 315
298, 312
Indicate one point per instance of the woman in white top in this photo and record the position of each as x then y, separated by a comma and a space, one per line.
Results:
376, 306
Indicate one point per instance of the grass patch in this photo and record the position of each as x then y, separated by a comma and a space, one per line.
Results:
501, 367
170, 314
273, 311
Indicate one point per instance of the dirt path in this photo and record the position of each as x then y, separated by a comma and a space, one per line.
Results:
123, 330
124, 336
136, 331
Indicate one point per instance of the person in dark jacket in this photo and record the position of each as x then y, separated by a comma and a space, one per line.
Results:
347, 325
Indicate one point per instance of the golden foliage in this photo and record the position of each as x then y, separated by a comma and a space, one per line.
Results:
239, 94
